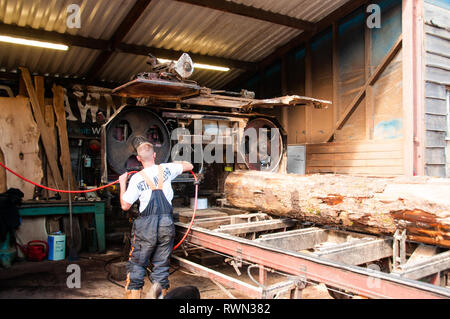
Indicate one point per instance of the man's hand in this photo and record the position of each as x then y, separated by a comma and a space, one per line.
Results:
123, 178
123, 187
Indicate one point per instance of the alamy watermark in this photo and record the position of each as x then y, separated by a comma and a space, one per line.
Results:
373, 21
73, 16
261, 146
74, 279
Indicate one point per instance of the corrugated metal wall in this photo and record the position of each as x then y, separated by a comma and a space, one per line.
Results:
437, 77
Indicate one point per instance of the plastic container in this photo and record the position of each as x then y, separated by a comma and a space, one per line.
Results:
56, 246
202, 203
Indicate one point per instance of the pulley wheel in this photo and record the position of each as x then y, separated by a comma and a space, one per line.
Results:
261, 147
121, 132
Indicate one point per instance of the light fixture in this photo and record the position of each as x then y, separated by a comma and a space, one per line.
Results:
201, 66
34, 43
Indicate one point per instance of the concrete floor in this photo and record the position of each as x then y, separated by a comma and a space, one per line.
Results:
47, 280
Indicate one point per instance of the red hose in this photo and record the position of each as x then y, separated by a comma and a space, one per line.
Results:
59, 190
193, 214
105, 186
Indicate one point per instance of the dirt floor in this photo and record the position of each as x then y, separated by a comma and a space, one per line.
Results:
48, 280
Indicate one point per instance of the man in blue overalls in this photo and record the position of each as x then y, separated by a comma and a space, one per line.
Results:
153, 231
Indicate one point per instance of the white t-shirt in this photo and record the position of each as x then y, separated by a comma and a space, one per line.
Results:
138, 188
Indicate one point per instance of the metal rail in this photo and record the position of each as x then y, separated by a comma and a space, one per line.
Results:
363, 281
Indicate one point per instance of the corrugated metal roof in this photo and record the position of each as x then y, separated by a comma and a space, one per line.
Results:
99, 18
164, 24
308, 10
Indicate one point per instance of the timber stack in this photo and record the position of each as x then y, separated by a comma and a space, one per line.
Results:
421, 205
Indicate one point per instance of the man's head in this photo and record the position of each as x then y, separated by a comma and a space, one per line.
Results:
145, 153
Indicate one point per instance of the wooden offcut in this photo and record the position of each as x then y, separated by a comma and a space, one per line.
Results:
49, 146
420, 205
60, 112
19, 137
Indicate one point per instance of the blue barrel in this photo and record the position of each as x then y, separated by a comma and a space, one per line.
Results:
56, 246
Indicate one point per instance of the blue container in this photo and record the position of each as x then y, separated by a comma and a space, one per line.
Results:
56, 246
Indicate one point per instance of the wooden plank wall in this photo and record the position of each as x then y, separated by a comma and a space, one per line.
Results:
372, 158
371, 141
437, 77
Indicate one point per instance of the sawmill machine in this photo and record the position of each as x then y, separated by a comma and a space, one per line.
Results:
184, 121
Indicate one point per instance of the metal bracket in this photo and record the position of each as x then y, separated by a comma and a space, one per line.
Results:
236, 261
294, 285
183, 248
399, 249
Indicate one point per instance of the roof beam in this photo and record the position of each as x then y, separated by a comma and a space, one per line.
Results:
124, 28
103, 45
198, 58
52, 36
335, 16
252, 12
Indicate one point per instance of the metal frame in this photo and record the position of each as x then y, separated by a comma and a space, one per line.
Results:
318, 268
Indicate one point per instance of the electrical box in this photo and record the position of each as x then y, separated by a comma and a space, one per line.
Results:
296, 159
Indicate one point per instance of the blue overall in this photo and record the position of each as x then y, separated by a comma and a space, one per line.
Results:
153, 236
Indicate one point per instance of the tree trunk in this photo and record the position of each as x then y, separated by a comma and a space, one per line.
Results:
421, 205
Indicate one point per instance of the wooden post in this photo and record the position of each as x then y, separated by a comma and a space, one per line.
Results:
40, 92
284, 91
336, 104
60, 112
308, 91
413, 86
369, 89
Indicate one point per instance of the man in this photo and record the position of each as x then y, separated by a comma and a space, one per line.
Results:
153, 231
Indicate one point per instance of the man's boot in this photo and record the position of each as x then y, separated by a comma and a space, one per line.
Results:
155, 291
133, 294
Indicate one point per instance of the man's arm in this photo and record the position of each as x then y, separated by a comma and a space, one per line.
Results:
186, 165
123, 188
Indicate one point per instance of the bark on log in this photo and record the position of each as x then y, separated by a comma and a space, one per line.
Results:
421, 205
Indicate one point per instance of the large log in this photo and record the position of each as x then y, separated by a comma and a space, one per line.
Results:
421, 205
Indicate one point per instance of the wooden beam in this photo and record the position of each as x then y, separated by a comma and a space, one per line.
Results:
175, 54
350, 109
49, 146
308, 92
125, 26
299, 40
413, 87
103, 45
52, 36
368, 72
252, 12
60, 112
335, 72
